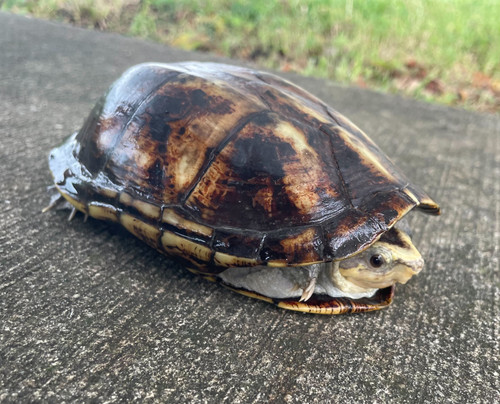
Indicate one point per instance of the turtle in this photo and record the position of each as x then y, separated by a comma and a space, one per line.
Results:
248, 180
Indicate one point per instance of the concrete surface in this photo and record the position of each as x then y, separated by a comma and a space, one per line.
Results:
88, 313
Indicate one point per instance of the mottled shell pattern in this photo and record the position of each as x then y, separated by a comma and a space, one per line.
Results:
223, 166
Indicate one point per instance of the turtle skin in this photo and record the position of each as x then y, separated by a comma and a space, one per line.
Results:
224, 166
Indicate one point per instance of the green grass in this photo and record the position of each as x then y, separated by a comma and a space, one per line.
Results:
439, 50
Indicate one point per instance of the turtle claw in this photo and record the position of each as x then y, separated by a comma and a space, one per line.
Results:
308, 291
72, 214
55, 201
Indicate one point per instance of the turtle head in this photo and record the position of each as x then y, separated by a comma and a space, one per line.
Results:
393, 258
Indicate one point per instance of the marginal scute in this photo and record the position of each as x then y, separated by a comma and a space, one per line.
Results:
171, 217
126, 199
353, 231
306, 246
144, 231
146, 209
302, 246
278, 263
76, 203
240, 244
176, 245
386, 207
227, 261
108, 193
103, 211
411, 195
425, 203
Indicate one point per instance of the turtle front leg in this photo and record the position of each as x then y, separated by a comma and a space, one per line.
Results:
313, 271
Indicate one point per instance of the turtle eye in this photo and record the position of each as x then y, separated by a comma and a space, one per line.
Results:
376, 261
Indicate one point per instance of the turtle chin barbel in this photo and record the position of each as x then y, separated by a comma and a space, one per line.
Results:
248, 180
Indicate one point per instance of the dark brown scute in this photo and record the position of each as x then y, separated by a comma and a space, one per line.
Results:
295, 245
351, 231
245, 187
107, 121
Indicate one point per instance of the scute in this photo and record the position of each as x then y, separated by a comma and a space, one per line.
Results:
226, 166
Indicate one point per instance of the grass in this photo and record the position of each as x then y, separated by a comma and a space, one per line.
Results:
438, 50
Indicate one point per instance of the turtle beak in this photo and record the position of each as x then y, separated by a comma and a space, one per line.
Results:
405, 270
406, 258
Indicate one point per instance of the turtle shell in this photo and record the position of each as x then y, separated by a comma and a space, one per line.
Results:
223, 166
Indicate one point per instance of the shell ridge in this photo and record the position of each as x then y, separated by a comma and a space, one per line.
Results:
343, 185
287, 87
260, 95
332, 116
193, 68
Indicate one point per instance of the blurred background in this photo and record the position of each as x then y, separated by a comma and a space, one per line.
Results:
445, 51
